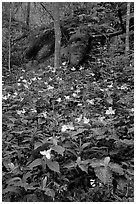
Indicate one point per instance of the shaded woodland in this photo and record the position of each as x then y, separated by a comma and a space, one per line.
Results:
67, 101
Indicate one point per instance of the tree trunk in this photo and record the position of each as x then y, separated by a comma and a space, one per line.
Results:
28, 14
127, 30
57, 31
9, 40
71, 9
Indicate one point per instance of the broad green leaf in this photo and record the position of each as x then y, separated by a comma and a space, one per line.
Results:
30, 187
85, 145
72, 151
35, 163
26, 176
131, 130
9, 189
53, 165
79, 131
49, 192
10, 125
104, 174
96, 163
83, 167
97, 131
59, 149
116, 168
122, 183
37, 144
127, 142
13, 180
70, 165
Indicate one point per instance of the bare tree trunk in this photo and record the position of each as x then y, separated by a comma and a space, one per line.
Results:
127, 30
57, 35
9, 43
28, 14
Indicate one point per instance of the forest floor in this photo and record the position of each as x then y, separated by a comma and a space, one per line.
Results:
87, 116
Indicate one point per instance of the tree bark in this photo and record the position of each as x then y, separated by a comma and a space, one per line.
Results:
28, 14
9, 40
57, 31
127, 30
71, 9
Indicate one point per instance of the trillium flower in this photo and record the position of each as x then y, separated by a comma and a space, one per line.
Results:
34, 79
54, 70
79, 119
59, 79
64, 63
110, 111
33, 110
92, 182
4, 97
85, 120
70, 126
24, 80
46, 83
11, 166
44, 114
64, 128
90, 101
110, 86
73, 69
26, 86
74, 95
67, 97
46, 153
50, 87
124, 86
102, 119
78, 91
59, 100
21, 111
79, 104
67, 127
15, 93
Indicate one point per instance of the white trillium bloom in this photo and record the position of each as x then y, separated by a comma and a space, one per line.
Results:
59, 100
74, 95
63, 128
34, 79
79, 119
67, 127
110, 111
46, 153
86, 121
90, 101
50, 87
67, 97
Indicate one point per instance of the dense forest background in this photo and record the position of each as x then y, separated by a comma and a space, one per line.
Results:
67, 101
